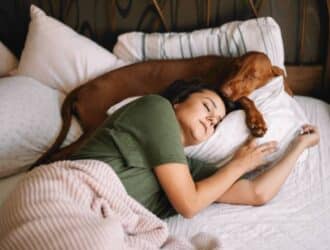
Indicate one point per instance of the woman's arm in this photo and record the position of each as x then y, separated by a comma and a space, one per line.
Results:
188, 197
264, 187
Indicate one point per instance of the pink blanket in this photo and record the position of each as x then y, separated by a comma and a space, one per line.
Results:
83, 205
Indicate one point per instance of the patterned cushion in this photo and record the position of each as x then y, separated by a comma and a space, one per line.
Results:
231, 39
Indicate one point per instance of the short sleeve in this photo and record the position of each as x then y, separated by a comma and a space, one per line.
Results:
147, 133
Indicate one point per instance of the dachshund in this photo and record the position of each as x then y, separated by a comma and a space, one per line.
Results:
235, 77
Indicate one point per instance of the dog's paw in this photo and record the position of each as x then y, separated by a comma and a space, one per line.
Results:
256, 124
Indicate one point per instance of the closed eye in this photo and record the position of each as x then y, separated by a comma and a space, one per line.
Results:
207, 107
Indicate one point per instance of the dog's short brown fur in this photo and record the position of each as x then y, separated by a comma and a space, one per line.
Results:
235, 77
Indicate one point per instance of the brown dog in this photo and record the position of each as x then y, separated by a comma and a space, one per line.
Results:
235, 77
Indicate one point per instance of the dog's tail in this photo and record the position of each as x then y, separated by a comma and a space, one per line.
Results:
66, 114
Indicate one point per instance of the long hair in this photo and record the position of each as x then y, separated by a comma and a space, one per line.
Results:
180, 90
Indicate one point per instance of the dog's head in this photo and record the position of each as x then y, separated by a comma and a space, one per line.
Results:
248, 72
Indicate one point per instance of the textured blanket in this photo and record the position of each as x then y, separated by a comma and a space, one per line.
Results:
83, 205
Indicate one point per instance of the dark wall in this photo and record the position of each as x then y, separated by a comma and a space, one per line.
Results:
303, 22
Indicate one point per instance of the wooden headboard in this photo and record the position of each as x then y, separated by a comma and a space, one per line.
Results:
304, 24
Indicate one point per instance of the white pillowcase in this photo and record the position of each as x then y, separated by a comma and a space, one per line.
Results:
30, 122
283, 115
231, 39
57, 56
8, 61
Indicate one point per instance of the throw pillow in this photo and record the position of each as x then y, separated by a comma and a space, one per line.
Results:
30, 121
55, 55
231, 39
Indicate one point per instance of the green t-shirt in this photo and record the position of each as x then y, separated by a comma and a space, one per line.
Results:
135, 139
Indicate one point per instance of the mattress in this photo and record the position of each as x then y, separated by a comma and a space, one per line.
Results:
297, 218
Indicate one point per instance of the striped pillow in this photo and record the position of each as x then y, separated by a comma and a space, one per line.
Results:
231, 39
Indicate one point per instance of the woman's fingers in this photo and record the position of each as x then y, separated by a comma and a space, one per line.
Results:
268, 146
309, 136
308, 129
251, 155
269, 150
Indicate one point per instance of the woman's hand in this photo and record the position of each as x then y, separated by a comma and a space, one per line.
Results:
309, 137
251, 156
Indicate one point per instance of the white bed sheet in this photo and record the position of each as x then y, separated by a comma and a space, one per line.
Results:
297, 218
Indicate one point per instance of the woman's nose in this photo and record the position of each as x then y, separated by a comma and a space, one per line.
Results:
212, 120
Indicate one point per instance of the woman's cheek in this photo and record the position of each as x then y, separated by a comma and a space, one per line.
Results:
209, 133
199, 135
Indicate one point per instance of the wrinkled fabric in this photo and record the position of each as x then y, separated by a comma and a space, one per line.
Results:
83, 205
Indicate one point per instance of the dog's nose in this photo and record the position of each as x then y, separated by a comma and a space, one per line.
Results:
226, 91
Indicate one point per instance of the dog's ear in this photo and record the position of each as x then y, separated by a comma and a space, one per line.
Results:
277, 71
280, 72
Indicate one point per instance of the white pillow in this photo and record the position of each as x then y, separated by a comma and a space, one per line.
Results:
8, 61
283, 115
120, 104
57, 56
30, 121
231, 39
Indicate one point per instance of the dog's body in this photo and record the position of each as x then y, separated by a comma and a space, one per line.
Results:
236, 78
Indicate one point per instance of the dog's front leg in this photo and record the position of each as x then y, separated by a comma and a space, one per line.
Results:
254, 118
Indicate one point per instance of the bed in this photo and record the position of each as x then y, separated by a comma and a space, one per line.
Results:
299, 216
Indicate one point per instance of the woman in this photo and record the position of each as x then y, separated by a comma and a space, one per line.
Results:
143, 143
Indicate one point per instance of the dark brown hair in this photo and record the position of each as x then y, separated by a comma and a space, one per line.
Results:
180, 90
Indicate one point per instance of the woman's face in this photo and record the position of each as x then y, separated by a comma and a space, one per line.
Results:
199, 115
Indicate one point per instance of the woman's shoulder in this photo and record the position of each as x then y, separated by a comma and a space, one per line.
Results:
146, 107
154, 99
151, 103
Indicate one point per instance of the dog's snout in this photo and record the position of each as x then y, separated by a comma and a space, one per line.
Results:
226, 91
